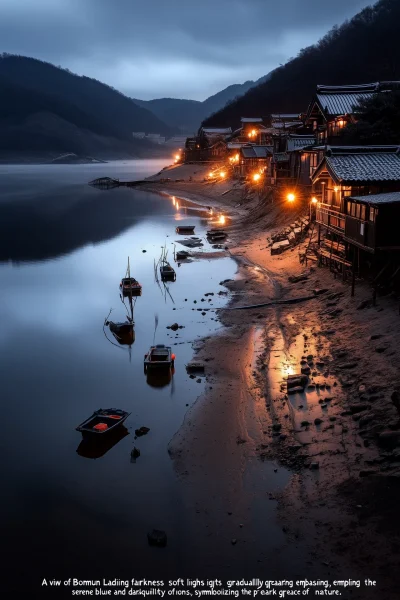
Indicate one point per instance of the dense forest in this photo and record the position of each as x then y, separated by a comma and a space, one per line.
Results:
43, 107
362, 50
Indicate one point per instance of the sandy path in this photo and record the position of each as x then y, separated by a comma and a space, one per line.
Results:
227, 450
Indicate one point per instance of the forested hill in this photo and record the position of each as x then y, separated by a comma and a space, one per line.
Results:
186, 115
43, 107
362, 50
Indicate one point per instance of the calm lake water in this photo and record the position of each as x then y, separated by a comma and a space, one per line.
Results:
63, 249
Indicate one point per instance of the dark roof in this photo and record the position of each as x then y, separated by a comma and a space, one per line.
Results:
296, 142
361, 164
378, 198
216, 130
251, 120
256, 151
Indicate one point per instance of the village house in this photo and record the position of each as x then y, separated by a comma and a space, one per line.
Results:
252, 160
288, 164
210, 144
358, 191
333, 107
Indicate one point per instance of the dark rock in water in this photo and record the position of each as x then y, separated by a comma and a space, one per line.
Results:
144, 250
305, 423
142, 431
314, 466
174, 326
135, 453
157, 537
349, 365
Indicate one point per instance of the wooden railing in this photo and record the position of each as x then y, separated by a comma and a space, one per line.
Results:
330, 217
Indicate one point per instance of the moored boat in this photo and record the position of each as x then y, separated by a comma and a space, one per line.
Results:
185, 229
159, 357
216, 234
129, 286
182, 255
167, 272
103, 422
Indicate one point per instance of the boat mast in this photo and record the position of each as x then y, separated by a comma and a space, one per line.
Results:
129, 269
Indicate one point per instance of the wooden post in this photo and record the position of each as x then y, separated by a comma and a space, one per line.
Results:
319, 235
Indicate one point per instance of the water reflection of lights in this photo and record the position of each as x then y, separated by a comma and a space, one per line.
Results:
173, 200
177, 205
287, 370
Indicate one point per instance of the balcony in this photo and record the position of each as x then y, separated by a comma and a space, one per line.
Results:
330, 217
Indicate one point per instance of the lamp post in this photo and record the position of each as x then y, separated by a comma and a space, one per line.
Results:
313, 208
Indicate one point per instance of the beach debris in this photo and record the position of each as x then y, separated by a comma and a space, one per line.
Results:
295, 383
142, 431
195, 366
157, 537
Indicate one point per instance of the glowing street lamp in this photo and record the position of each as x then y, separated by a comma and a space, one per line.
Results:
314, 200
256, 177
177, 156
222, 175
291, 197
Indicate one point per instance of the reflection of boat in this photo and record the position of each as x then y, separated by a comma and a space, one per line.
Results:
159, 378
167, 272
123, 332
185, 229
89, 448
103, 422
159, 357
129, 285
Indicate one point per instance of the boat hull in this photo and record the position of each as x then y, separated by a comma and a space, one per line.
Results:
113, 418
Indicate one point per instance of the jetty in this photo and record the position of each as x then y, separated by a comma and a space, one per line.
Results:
109, 182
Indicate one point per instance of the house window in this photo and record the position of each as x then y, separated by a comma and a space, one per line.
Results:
348, 207
372, 214
363, 212
358, 211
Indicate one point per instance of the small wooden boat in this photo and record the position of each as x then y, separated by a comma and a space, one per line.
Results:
182, 255
216, 234
167, 272
129, 286
159, 357
103, 422
185, 229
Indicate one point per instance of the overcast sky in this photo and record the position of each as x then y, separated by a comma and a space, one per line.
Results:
168, 48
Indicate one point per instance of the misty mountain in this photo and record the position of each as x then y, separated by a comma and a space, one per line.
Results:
46, 108
362, 50
187, 115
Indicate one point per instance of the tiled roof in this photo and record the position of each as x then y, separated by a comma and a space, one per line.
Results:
263, 151
378, 198
251, 120
286, 124
376, 166
285, 116
256, 151
236, 145
300, 141
217, 130
341, 103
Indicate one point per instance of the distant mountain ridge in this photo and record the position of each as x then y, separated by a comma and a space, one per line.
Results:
187, 115
46, 108
361, 50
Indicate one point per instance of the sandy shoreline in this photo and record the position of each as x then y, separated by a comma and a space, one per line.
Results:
245, 421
